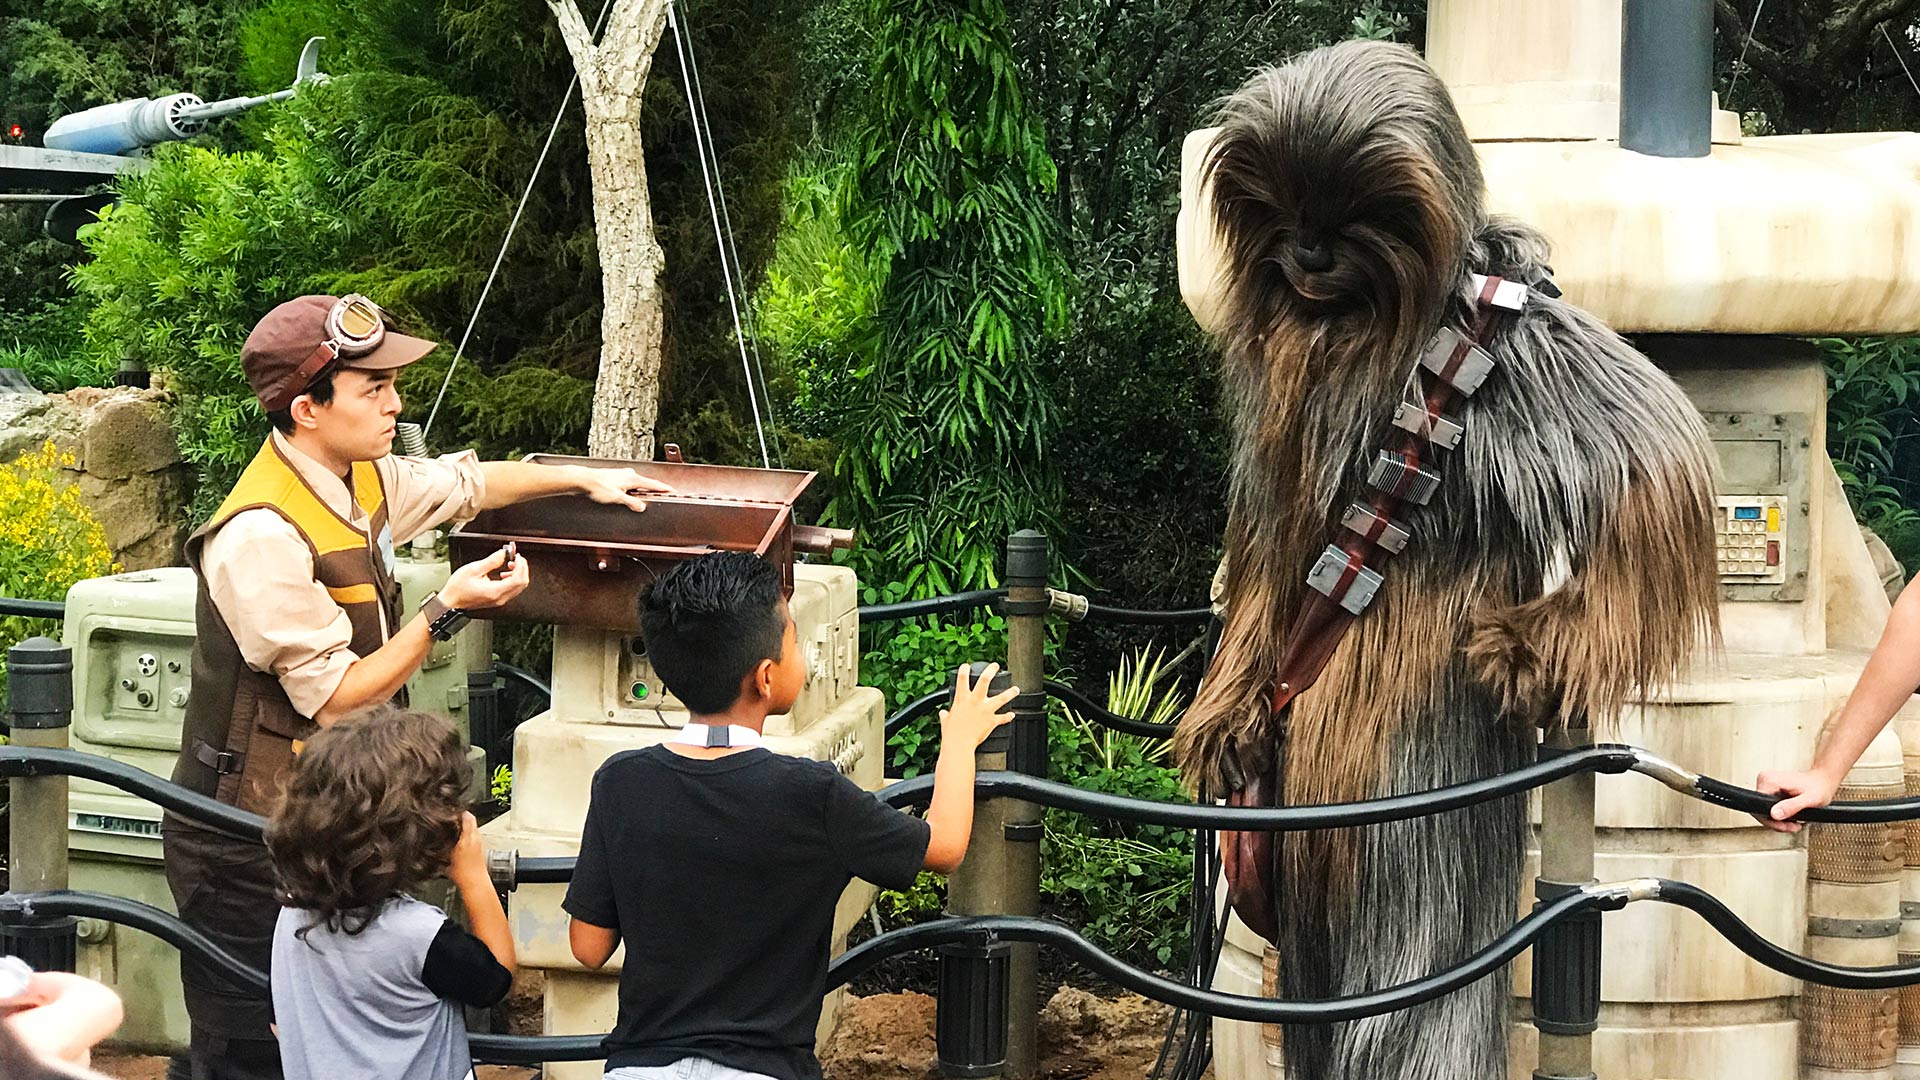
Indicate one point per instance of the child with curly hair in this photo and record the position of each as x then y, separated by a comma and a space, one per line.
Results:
368, 982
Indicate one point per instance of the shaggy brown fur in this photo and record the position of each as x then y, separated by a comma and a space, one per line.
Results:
1565, 565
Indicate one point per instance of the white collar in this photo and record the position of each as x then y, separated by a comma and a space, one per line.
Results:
717, 736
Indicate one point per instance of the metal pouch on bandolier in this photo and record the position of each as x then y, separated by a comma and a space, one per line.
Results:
1455, 360
1439, 429
1401, 476
1389, 534
1344, 579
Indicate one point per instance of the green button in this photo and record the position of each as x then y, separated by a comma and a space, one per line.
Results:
640, 691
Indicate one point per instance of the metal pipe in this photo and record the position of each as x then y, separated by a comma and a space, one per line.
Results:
32, 609
1666, 78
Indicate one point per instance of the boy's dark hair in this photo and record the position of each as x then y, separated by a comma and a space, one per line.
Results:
708, 622
373, 809
320, 390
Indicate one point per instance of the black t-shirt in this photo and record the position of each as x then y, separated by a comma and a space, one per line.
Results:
721, 877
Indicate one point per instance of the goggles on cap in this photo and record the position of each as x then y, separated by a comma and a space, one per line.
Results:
355, 327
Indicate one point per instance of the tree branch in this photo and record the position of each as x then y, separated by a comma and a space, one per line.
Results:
1845, 33
1763, 57
633, 32
579, 42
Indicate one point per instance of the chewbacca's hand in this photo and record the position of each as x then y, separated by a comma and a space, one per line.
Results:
1501, 655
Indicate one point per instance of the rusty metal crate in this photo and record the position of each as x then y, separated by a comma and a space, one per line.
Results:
588, 561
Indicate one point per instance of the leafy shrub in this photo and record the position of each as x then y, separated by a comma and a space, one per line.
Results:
202, 245
1127, 886
48, 539
943, 422
915, 657
1873, 418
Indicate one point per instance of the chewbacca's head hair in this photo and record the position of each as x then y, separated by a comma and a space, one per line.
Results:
1343, 183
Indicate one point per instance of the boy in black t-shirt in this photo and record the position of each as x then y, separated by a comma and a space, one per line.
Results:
721, 862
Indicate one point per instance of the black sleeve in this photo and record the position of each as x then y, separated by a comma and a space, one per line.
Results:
461, 967
874, 841
590, 893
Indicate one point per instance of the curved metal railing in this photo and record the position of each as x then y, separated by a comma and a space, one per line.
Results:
1606, 758
19, 909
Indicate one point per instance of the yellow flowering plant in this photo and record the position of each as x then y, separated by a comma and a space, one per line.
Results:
48, 539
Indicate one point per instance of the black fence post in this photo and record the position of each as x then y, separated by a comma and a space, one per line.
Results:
1566, 960
970, 1022
40, 693
1026, 609
970, 1018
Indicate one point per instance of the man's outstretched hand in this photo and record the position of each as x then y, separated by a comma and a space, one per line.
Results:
621, 487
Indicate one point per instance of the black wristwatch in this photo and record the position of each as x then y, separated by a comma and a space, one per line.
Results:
442, 621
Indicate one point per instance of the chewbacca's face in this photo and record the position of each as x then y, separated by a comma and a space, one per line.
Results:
1341, 182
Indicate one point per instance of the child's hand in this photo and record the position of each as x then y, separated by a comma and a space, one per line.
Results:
469, 862
974, 715
68, 1014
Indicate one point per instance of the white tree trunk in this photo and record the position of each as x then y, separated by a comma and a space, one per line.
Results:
613, 74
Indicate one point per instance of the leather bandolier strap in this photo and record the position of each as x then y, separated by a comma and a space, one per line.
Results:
1345, 579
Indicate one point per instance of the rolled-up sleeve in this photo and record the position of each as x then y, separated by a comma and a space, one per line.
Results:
260, 578
424, 493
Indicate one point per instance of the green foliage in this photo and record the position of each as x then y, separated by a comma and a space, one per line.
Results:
201, 246
926, 900
48, 540
45, 344
943, 422
500, 786
398, 179
1127, 886
1873, 418
60, 56
915, 657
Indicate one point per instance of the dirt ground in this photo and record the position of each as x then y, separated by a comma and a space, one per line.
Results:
1082, 1037
890, 1037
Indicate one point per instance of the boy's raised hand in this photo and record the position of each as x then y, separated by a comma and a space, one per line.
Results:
974, 715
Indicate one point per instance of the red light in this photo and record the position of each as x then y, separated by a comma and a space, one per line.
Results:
15, 131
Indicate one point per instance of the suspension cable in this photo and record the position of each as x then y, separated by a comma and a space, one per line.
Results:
513, 226
700, 145
745, 314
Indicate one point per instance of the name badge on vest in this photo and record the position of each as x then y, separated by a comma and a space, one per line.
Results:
385, 542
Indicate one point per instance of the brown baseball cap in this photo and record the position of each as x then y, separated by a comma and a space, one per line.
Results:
284, 354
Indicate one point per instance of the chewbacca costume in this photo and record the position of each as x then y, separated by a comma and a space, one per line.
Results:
1563, 562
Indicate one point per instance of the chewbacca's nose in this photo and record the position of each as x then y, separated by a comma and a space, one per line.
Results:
1314, 258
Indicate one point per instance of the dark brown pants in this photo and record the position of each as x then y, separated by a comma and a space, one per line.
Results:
223, 887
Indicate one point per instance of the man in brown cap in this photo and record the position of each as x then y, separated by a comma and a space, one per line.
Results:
299, 616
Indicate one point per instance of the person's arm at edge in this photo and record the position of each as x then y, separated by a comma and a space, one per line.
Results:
486, 920
1889, 679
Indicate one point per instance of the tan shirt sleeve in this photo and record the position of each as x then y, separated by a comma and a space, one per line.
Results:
424, 493
260, 579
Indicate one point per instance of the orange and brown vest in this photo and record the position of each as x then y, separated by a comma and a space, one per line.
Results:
241, 730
